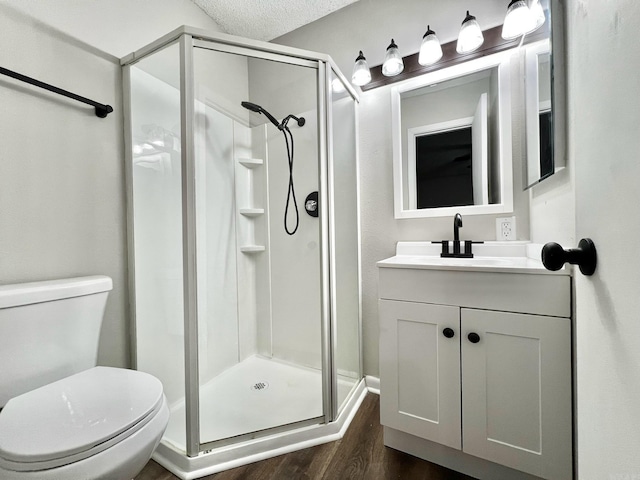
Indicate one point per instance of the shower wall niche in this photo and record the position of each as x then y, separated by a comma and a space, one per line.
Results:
254, 331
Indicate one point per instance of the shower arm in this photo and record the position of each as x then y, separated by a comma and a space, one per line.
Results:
301, 121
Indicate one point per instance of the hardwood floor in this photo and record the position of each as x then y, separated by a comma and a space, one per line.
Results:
360, 454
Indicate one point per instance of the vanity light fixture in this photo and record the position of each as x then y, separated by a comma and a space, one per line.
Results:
393, 64
518, 21
430, 50
433, 56
361, 74
470, 37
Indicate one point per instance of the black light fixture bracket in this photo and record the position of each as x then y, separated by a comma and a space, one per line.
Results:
101, 110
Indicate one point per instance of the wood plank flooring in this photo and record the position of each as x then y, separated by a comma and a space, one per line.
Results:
360, 454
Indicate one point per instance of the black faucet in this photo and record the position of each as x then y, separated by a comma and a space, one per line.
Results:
457, 223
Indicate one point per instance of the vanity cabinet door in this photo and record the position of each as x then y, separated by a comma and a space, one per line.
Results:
420, 370
516, 384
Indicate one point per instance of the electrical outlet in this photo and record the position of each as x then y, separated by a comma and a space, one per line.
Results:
506, 228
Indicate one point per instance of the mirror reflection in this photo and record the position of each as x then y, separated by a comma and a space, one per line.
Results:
447, 155
538, 113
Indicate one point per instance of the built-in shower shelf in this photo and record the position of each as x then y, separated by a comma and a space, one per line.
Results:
251, 212
252, 248
251, 162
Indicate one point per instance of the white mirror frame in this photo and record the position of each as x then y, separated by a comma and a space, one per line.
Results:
500, 60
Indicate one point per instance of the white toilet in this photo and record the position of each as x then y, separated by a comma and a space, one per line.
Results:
62, 417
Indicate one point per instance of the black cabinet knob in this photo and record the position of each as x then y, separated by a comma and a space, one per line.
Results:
473, 337
554, 256
448, 332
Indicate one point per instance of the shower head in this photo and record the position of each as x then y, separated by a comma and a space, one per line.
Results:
252, 106
258, 109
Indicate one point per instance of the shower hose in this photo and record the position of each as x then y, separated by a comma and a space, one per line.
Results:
291, 193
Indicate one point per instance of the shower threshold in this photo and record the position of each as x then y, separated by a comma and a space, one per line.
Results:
256, 394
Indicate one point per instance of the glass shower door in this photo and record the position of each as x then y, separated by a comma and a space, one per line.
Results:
258, 288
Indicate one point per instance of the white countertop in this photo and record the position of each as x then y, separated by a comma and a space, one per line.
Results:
506, 257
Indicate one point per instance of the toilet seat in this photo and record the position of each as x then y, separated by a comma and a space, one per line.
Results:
76, 417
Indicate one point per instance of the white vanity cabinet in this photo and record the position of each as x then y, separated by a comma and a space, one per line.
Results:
477, 365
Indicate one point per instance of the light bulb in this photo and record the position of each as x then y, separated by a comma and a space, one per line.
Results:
470, 37
361, 74
393, 64
518, 20
430, 50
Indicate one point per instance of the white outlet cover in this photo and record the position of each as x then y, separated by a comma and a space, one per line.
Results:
506, 228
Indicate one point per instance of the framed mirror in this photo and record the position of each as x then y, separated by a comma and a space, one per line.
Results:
538, 113
452, 140
544, 100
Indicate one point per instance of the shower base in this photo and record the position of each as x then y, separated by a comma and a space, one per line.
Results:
256, 394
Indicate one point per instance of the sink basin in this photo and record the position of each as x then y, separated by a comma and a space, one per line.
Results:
514, 257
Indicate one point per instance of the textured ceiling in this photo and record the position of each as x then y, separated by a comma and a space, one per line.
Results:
267, 19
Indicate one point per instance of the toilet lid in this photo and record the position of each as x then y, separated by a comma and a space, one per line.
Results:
77, 414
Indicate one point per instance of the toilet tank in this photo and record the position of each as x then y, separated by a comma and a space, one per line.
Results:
49, 330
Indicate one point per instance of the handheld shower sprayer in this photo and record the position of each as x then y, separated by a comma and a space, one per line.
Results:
258, 109
282, 126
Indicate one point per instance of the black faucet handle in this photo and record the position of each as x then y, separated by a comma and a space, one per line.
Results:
467, 247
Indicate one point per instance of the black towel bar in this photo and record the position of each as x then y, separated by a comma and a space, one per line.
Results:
101, 110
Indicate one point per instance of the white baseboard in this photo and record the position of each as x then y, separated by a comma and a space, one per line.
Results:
373, 384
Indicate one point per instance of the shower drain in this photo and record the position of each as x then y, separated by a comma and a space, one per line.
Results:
260, 386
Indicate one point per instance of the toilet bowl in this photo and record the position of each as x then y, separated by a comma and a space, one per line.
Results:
63, 418
103, 423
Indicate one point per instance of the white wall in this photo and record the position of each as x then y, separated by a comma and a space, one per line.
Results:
62, 196
62, 210
369, 25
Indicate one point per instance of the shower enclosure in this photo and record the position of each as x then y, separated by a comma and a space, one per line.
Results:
254, 331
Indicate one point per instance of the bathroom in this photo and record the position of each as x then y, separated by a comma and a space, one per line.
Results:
63, 192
